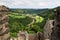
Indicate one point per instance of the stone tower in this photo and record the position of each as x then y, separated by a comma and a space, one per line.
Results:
4, 25
55, 35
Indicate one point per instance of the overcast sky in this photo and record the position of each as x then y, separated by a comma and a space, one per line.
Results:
30, 3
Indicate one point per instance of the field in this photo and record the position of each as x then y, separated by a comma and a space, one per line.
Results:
30, 20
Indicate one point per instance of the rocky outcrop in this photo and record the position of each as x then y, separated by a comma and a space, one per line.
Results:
39, 35
32, 37
56, 30
4, 25
48, 29
22, 35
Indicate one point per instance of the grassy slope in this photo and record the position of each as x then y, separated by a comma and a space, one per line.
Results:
19, 22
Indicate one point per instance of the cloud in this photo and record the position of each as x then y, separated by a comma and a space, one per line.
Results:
17, 2
42, 4
30, 3
23, 2
3, 3
48, 4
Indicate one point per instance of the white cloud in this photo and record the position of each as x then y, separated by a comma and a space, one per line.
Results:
28, 1
3, 3
23, 2
31, 3
42, 4
17, 2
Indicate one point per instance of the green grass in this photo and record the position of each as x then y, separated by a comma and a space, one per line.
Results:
20, 22
39, 19
14, 16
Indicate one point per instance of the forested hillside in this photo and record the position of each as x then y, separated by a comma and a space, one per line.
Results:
30, 20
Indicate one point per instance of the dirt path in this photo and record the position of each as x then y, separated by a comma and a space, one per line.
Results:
29, 25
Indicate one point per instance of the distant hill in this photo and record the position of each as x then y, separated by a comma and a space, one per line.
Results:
46, 13
30, 11
49, 13
21, 18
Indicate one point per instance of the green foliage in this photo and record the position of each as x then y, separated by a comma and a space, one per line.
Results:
14, 34
19, 20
